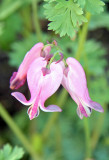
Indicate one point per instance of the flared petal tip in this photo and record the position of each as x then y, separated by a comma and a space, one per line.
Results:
54, 108
96, 106
21, 98
50, 108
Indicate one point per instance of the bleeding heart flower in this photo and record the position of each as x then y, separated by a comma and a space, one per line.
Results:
42, 83
18, 78
75, 83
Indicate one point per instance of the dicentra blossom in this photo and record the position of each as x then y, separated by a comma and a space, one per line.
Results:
18, 78
74, 80
44, 76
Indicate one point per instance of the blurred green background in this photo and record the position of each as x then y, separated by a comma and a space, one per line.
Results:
53, 136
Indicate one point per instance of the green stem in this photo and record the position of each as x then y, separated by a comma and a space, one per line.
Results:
51, 60
26, 16
58, 140
88, 140
12, 7
61, 100
82, 37
82, 40
63, 95
36, 20
7, 118
98, 128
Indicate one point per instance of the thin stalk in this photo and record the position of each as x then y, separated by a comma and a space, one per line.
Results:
7, 118
82, 40
87, 136
61, 100
82, 37
98, 128
26, 16
64, 93
36, 20
51, 60
12, 7
58, 141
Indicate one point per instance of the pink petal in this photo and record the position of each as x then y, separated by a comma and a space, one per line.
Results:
96, 106
79, 113
33, 110
21, 98
82, 110
51, 83
35, 115
18, 80
76, 77
45, 51
34, 75
65, 84
50, 108
75, 82
78, 84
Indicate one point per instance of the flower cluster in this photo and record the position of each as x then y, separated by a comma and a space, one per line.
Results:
44, 76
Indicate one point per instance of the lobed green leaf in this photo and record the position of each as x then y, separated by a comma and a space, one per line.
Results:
65, 17
7, 153
92, 6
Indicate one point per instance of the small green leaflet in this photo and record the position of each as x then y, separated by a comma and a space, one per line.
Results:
65, 17
7, 153
92, 6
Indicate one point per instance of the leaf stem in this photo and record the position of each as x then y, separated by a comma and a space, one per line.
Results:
36, 20
7, 118
82, 37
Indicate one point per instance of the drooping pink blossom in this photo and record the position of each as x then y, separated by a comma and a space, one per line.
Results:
75, 83
42, 83
18, 78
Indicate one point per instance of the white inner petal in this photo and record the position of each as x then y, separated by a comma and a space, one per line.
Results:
87, 109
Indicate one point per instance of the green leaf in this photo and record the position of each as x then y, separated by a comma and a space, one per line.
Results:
92, 57
99, 89
65, 17
92, 6
98, 21
7, 153
9, 7
1, 28
101, 152
81, 2
11, 26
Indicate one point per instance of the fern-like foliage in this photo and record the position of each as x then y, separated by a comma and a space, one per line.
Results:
9, 153
65, 17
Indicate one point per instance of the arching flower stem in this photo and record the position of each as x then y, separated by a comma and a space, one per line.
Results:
51, 60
